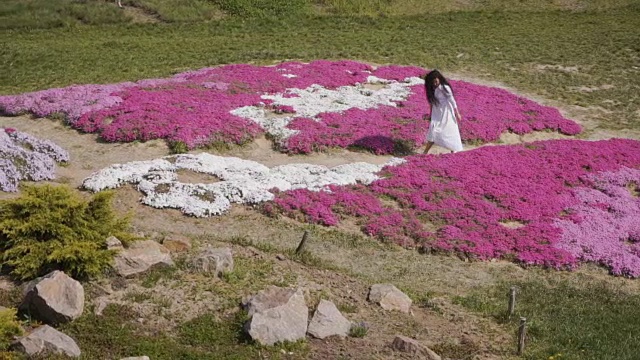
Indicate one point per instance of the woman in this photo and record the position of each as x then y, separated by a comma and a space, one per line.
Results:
443, 130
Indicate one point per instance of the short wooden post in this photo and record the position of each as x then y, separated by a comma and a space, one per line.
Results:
522, 334
303, 243
512, 302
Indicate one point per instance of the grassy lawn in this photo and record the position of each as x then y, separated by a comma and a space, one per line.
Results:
595, 321
552, 54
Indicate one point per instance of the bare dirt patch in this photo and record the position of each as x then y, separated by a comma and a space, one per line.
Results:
141, 16
374, 87
561, 68
589, 89
512, 224
194, 177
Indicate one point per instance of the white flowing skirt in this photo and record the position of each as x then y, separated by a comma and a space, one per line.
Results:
443, 129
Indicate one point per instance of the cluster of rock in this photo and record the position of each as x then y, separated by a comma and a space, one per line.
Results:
56, 298
275, 314
281, 314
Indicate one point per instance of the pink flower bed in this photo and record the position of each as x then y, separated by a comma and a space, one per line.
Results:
551, 203
195, 108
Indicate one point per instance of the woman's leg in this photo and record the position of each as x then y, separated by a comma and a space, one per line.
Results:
429, 145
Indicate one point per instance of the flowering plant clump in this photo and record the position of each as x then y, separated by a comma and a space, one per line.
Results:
25, 157
242, 181
550, 203
303, 107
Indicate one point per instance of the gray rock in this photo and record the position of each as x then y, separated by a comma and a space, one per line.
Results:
113, 243
140, 257
277, 314
100, 304
213, 260
136, 358
54, 298
389, 297
46, 340
413, 347
328, 321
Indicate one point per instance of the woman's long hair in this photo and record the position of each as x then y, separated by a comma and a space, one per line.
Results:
431, 90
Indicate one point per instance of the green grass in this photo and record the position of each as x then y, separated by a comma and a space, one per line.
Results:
113, 335
504, 46
34, 14
31, 14
595, 321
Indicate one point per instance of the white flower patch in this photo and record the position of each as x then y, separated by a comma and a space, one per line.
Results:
315, 99
118, 174
242, 181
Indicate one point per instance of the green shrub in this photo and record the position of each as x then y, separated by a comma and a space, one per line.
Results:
359, 330
9, 327
54, 228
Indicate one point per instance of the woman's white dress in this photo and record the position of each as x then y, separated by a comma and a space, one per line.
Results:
443, 130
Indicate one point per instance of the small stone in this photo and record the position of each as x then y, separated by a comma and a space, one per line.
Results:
113, 243
328, 321
413, 347
277, 315
100, 305
136, 358
390, 298
44, 340
140, 257
213, 260
281, 257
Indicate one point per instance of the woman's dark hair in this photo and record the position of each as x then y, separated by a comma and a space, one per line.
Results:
431, 90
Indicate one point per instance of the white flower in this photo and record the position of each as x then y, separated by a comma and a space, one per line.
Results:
242, 181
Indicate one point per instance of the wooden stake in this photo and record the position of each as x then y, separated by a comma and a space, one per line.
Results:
303, 243
522, 334
512, 302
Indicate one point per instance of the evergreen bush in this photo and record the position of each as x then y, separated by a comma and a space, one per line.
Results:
53, 228
9, 327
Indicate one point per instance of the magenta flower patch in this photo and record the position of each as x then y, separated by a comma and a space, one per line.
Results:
303, 107
551, 203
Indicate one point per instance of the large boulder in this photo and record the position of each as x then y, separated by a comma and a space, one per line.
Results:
46, 340
213, 261
328, 321
413, 347
277, 314
54, 298
140, 257
389, 297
